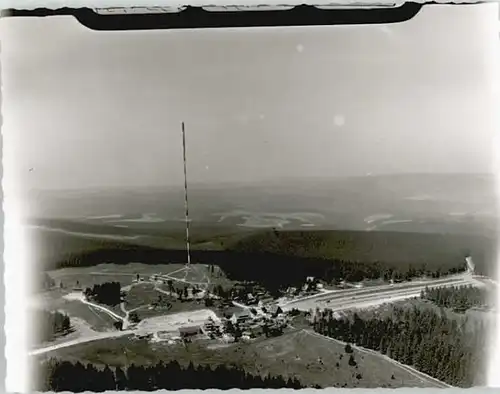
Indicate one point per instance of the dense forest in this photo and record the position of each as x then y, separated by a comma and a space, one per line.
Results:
55, 375
108, 293
424, 339
273, 271
397, 249
279, 259
51, 324
458, 298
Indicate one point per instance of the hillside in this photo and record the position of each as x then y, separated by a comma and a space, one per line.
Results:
271, 255
400, 248
314, 360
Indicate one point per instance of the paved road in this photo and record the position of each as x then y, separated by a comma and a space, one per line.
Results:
352, 298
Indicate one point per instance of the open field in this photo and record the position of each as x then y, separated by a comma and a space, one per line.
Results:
314, 360
95, 318
141, 295
125, 274
57, 300
138, 296
175, 307
172, 322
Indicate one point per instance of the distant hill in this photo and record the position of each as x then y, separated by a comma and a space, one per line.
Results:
396, 248
397, 220
423, 203
262, 249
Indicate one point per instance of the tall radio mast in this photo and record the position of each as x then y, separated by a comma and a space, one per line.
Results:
186, 195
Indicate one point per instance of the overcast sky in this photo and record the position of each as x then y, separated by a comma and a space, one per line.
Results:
84, 108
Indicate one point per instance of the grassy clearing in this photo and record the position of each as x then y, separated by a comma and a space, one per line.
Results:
125, 274
141, 295
314, 360
98, 320
198, 273
53, 300
87, 277
320, 361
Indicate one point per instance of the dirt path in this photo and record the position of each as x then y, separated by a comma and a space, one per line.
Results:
81, 298
97, 337
104, 309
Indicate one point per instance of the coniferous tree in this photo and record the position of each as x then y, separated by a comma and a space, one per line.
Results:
120, 379
65, 376
425, 339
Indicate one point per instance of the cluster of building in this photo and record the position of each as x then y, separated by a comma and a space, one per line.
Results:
310, 287
237, 324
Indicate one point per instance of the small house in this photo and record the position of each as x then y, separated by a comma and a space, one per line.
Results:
241, 316
275, 310
190, 331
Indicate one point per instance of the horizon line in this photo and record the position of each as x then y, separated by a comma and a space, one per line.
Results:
101, 188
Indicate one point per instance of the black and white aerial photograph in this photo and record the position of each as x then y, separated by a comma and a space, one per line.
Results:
278, 207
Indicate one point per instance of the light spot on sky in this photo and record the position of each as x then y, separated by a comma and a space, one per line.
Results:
261, 117
339, 120
300, 48
206, 167
386, 29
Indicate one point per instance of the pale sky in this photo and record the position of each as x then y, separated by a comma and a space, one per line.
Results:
86, 109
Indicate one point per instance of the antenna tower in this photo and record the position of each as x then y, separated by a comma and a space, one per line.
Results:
186, 195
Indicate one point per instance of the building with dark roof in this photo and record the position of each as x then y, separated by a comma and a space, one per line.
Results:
190, 331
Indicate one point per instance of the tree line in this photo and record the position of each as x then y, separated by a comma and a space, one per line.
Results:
108, 293
51, 324
424, 339
56, 375
280, 259
458, 298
